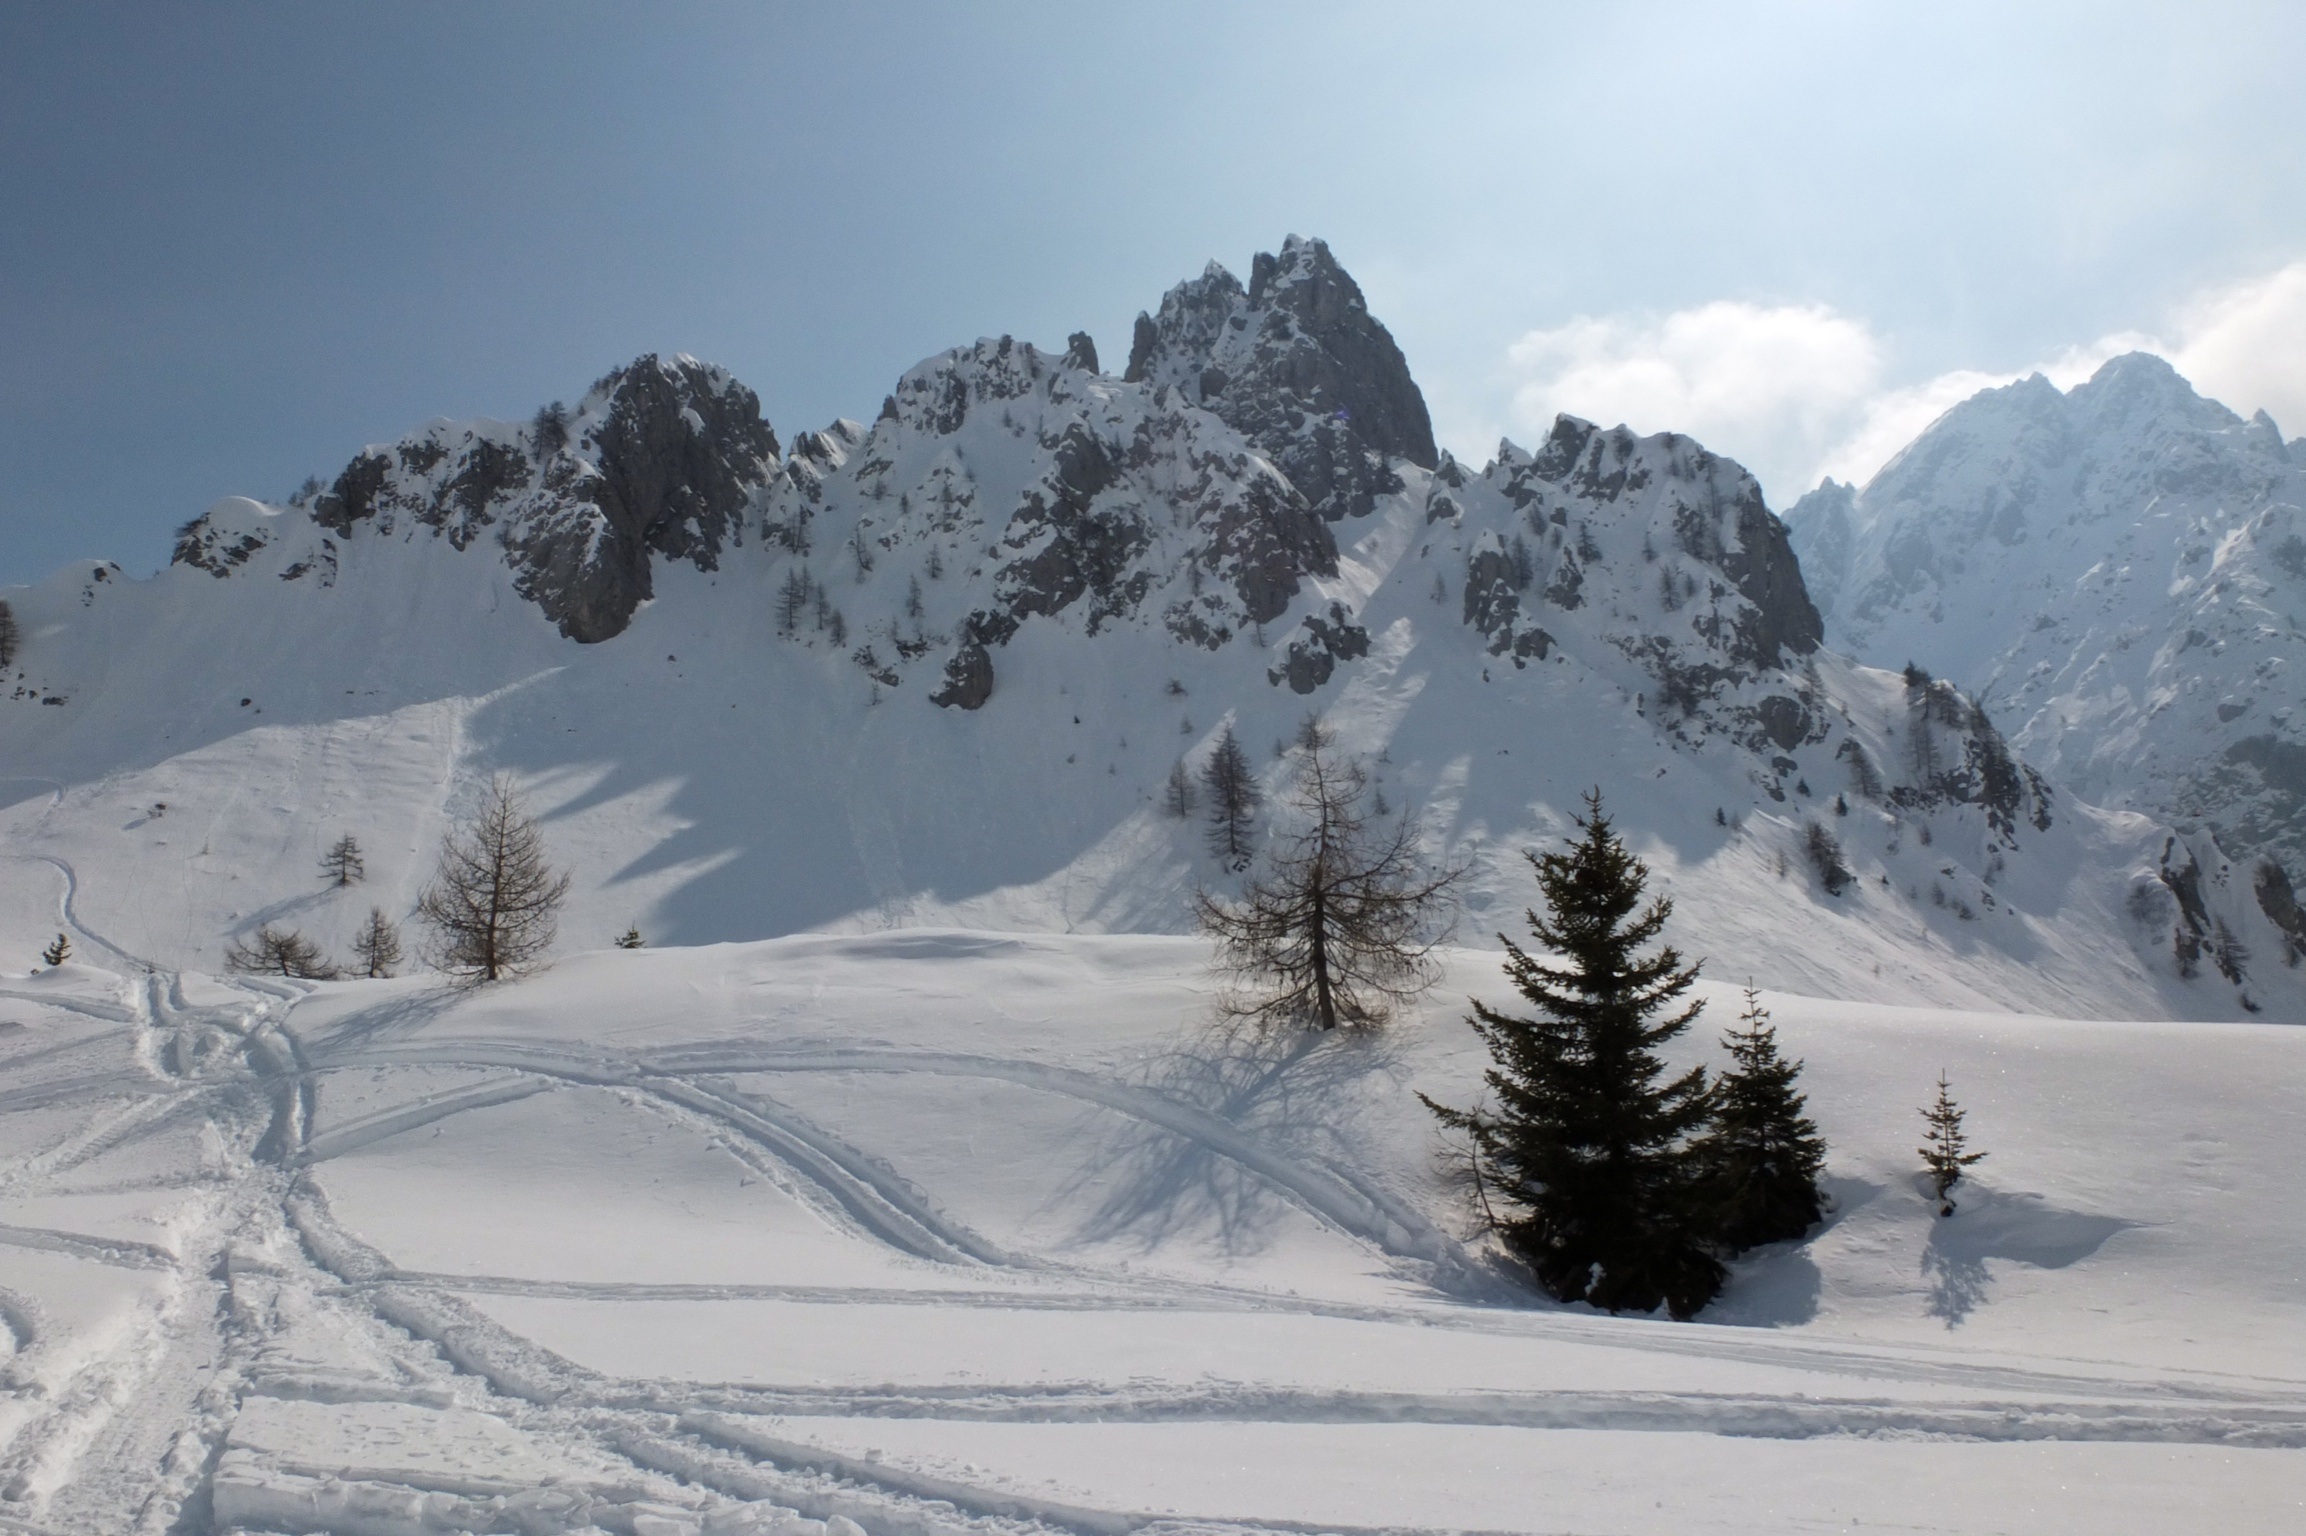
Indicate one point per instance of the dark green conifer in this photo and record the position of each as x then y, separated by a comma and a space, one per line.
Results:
1763, 1154
1590, 1144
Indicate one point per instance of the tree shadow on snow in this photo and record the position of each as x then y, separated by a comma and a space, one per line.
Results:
1780, 1285
1289, 1089
1990, 1224
403, 1014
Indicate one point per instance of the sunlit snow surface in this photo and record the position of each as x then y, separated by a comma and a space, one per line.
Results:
940, 1229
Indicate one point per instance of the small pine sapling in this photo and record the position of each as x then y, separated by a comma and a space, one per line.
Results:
342, 863
1945, 1149
377, 946
58, 952
631, 939
1762, 1153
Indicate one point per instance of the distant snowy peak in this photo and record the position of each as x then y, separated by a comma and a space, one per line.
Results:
1297, 363
2121, 567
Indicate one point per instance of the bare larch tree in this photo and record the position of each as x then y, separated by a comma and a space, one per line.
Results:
492, 902
1340, 926
1233, 800
273, 951
342, 865
377, 945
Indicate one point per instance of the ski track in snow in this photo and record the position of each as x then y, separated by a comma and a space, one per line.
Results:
140, 1437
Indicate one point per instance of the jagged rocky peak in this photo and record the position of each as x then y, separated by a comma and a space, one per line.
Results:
662, 457
1677, 537
1297, 363
1003, 485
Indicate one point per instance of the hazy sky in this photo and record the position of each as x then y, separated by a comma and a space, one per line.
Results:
237, 242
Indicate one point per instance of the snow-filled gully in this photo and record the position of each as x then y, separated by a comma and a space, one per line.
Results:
281, 1372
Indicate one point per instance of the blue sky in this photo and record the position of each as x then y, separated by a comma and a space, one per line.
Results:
240, 241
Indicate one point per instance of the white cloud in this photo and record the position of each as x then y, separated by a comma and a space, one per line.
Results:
1798, 392
2246, 345
1775, 387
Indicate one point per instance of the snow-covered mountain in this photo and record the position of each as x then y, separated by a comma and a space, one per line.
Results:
2120, 570
937, 669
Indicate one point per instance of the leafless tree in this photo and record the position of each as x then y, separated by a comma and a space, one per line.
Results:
1233, 799
492, 902
1177, 797
342, 863
377, 945
1341, 925
272, 951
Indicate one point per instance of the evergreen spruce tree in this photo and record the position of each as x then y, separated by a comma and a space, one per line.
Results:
1590, 1145
377, 945
8, 635
1945, 1149
342, 863
1233, 799
1762, 1155
58, 952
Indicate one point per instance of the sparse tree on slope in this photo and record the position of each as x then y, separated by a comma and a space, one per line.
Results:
1340, 927
1763, 1154
631, 939
271, 951
342, 863
1590, 1143
492, 903
1177, 797
58, 952
1945, 1149
1233, 800
377, 945
8, 635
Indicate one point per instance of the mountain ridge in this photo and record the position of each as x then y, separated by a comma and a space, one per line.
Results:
936, 669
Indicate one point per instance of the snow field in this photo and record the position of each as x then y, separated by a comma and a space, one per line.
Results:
939, 1229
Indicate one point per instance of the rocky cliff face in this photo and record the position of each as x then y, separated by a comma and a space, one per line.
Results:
1295, 362
661, 459
2120, 568
1003, 485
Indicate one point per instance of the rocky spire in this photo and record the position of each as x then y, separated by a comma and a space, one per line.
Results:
1296, 363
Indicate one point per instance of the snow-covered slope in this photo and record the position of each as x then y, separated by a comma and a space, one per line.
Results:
941, 1232
2121, 571
937, 669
